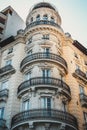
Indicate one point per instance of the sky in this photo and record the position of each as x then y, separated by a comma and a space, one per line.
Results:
73, 14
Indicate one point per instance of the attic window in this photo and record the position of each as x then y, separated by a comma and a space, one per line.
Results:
10, 50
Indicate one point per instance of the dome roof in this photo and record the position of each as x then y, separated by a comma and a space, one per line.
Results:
43, 4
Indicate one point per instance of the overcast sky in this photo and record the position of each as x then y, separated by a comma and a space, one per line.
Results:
72, 12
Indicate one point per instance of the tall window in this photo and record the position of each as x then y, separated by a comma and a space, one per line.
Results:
1, 112
9, 62
38, 18
4, 85
26, 105
46, 73
27, 76
81, 89
45, 17
46, 102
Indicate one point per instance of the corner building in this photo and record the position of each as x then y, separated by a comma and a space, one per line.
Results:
43, 76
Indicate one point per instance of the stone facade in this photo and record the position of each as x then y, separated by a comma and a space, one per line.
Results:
43, 76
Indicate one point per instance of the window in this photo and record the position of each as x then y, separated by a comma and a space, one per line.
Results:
10, 50
29, 52
27, 76
26, 105
85, 62
9, 62
31, 19
85, 117
4, 85
46, 73
45, 17
30, 40
52, 19
64, 106
1, 112
81, 89
46, 36
38, 18
46, 102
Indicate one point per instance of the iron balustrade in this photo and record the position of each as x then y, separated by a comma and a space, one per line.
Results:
83, 97
44, 114
4, 92
44, 81
2, 123
81, 73
43, 56
6, 69
43, 22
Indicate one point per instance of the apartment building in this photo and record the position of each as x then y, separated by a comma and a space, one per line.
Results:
43, 76
8, 26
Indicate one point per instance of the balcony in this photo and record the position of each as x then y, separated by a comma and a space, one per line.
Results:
44, 115
46, 82
2, 124
44, 22
85, 126
83, 100
6, 70
4, 95
48, 57
81, 75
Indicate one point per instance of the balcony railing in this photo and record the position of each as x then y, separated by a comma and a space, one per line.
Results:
43, 22
7, 69
81, 75
43, 56
2, 123
44, 114
54, 82
4, 94
83, 99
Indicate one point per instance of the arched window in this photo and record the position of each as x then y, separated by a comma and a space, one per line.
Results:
38, 18
45, 17
52, 19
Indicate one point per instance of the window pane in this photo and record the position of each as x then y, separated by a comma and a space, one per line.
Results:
9, 62
26, 105
4, 85
1, 112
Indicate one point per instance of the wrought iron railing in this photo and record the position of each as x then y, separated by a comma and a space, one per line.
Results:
6, 69
81, 73
44, 81
43, 56
43, 22
4, 93
44, 114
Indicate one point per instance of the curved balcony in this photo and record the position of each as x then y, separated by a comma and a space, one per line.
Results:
6, 70
48, 57
46, 82
43, 22
44, 115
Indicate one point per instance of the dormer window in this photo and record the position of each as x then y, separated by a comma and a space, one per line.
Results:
46, 36
31, 19
52, 19
38, 18
30, 40
45, 17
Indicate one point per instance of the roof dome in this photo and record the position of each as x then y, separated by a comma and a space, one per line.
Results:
43, 4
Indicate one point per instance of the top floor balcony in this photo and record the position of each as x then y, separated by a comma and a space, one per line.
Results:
6, 70
44, 22
39, 57
81, 75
